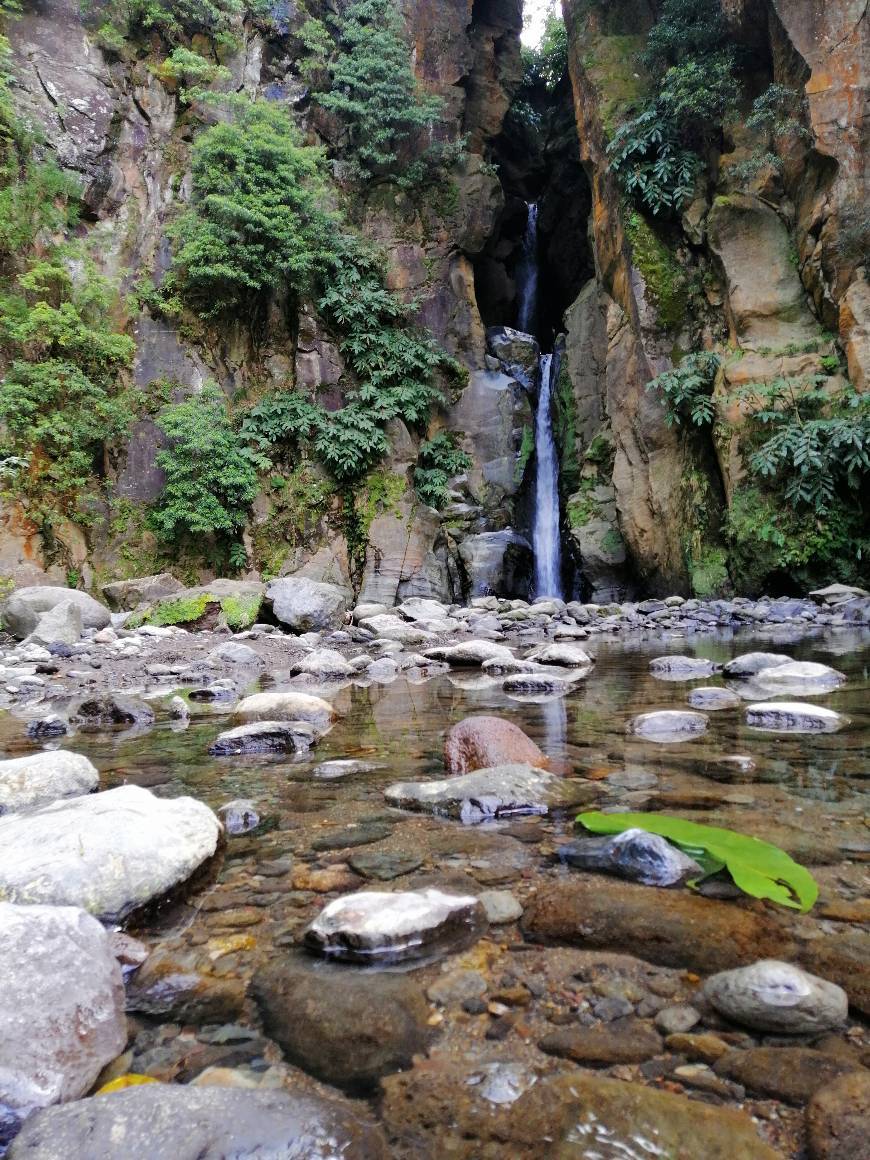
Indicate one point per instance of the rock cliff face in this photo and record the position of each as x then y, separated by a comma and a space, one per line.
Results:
756, 273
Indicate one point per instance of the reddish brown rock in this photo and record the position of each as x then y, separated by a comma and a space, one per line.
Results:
674, 929
793, 1074
483, 742
837, 1119
842, 958
623, 1041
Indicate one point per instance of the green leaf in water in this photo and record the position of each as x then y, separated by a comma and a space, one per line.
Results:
758, 868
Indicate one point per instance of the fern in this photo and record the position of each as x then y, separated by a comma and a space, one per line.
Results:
687, 390
439, 460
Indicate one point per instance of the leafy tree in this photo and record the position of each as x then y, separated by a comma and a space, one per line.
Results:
372, 88
440, 458
211, 475
547, 64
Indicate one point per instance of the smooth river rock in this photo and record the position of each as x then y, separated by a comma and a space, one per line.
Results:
633, 854
290, 705
110, 711
20, 612
793, 717
305, 605
40, 778
800, 677
265, 737
568, 655
487, 793
482, 742
470, 653
713, 699
837, 1118
345, 1026
775, 996
326, 664
374, 926
748, 664
682, 668
175, 1122
61, 1008
108, 853
667, 725
61, 625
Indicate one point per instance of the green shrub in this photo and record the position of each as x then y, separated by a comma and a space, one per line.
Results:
687, 390
439, 459
547, 63
211, 474
372, 88
780, 115
192, 72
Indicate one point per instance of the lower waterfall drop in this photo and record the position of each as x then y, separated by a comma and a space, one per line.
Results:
548, 552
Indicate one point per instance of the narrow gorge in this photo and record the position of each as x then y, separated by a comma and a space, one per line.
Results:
434, 579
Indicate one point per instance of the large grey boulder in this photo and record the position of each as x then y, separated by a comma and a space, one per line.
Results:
110, 711
60, 625
471, 653
800, 677
61, 1009
41, 778
748, 664
109, 853
126, 595
289, 705
780, 997
305, 605
169, 1122
562, 653
326, 664
21, 611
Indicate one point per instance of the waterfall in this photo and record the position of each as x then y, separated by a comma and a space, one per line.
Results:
548, 554
527, 275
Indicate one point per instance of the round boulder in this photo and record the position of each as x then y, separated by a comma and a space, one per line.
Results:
290, 705
774, 996
305, 605
800, 677
41, 778
20, 613
109, 853
481, 742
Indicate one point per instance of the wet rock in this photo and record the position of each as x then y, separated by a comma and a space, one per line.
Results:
486, 793
289, 705
110, 711
45, 727
568, 655
713, 699
345, 1027
800, 677
326, 664
501, 906
61, 1008
483, 742
626, 1040
457, 987
670, 928
384, 865
232, 652
470, 653
668, 725
361, 834
838, 594
374, 926
793, 717
41, 778
683, 668
239, 816
265, 737
842, 958
195, 1122
305, 605
172, 986
633, 854
109, 853
61, 625
776, 996
126, 595
837, 1119
748, 664
677, 1020
703, 1046
540, 684
341, 767
20, 612
396, 630
793, 1074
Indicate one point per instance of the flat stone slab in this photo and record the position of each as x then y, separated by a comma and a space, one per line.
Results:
775, 996
485, 794
793, 717
668, 725
265, 737
799, 677
683, 668
408, 924
41, 778
191, 1123
61, 1008
470, 653
108, 853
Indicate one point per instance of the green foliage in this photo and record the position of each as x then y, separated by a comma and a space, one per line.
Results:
439, 459
659, 153
211, 476
372, 88
779, 115
547, 64
254, 224
819, 451
171, 19
687, 390
283, 418
758, 868
192, 72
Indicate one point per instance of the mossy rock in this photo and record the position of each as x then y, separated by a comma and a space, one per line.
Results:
665, 278
234, 603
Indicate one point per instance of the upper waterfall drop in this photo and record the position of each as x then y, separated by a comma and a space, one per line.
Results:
547, 545
527, 275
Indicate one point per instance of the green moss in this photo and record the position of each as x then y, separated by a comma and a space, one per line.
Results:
240, 612
582, 507
664, 277
175, 610
709, 573
381, 494
527, 450
565, 432
612, 65
612, 542
299, 503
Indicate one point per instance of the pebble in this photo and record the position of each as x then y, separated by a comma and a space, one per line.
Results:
775, 996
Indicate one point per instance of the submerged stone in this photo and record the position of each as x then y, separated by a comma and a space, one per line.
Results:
110, 711
412, 924
669, 725
793, 717
486, 793
775, 996
683, 668
108, 853
265, 737
713, 699
633, 854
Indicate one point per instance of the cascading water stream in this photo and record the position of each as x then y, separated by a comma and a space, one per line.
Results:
546, 541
